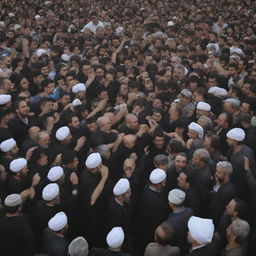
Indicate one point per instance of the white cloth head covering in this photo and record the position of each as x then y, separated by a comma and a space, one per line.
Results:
12, 200
237, 134
203, 106
76, 102
115, 237
18, 164
40, 52
65, 57
5, 98
62, 133
78, 247
121, 187
80, 87
58, 221
201, 229
157, 176
233, 101
197, 128
170, 23
7, 145
55, 173
50, 191
187, 93
218, 92
93, 161
176, 196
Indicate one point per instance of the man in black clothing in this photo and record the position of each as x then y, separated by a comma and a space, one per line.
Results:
203, 177
115, 239
235, 140
200, 237
16, 237
95, 193
153, 199
223, 192
55, 242
118, 212
178, 219
103, 134
21, 122
185, 181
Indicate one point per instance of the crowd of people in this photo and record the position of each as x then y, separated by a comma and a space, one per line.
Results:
128, 128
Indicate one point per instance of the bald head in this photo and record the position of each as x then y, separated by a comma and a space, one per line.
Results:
129, 140
104, 124
131, 121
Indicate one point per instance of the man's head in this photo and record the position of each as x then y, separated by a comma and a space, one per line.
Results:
129, 141
161, 162
6, 86
238, 231
131, 121
200, 158
21, 109
104, 124
73, 121
176, 198
78, 247
163, 234
180, 161
223, 171
185, 179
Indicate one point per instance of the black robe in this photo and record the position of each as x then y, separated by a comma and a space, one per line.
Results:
16, 237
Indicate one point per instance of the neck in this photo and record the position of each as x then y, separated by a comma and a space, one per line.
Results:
232, 244
21, 117
237, 148
118, 249
12, 214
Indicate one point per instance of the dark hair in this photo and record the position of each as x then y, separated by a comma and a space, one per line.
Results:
189, 176
12, 210
68, 156
168, 234
46, 82
215, 140
241, 208
176, 146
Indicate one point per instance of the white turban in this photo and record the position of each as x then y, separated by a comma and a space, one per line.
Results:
7, 145
197, 128
62, 133
80, 87
218, 92
40, 52
115, 237
50, 191
5, 98
203, 106
157, 176
201, 229
237, 134
18, 164
121, 187
93, 161
176, 196
58, 221
55, 173
12, 200
76, 102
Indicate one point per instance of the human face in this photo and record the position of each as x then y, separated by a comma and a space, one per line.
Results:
14, 151
44, 140
222, 120
124, 89
220, 174
230, 208
180, 162
129, 168
64, 71
75, 123
23, 109
182, 180
159, 142
86, 69
207, 143
192, 134
8, 85
45, 71
50, 88
133, 123
24, 84
196, 160
65, 99
157, 116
